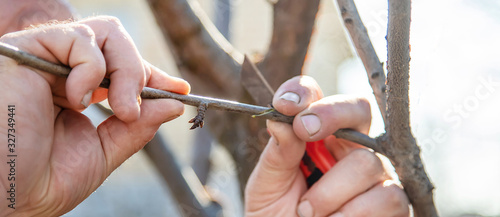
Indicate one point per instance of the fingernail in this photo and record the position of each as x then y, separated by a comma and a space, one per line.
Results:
290, 96
305, 209
337, 214
311, 123
86, 99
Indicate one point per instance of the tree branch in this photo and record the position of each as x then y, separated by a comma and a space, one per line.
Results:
212, 67
366, 52
192, 201
193, 100
399, 142
292, 29
203, 55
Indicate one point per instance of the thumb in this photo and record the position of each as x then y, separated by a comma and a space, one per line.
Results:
278, 166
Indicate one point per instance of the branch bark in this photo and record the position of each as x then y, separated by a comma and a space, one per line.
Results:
399, 142
191, 203
364, 48
203, 55
193, 100
212, 66
293, 24
208, 61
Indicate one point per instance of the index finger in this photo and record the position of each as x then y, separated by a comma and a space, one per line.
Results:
124, 66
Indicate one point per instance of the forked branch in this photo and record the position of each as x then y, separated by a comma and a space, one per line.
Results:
398, 144
366, 52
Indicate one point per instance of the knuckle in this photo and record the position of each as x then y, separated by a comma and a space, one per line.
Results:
368, 163
83, 30
105, 22
111, 20
113, 23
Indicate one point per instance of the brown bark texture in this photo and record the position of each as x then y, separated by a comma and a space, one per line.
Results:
191, 202
257, 83
293, 22
203, 56
399, 143
366, 52
213, 66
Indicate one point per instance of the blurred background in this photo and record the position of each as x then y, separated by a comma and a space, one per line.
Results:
454, 98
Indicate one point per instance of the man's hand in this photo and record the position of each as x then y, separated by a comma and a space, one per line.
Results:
61, 157
358, 185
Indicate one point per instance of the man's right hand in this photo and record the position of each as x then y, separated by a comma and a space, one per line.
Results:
358, 185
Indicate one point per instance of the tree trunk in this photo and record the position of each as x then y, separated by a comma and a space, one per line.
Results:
400, 144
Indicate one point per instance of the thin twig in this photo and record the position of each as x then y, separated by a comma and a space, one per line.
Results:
366, 52
193, 100
219, 104
400, 144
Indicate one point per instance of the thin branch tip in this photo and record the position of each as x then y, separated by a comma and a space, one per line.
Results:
366, 52
199, 101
